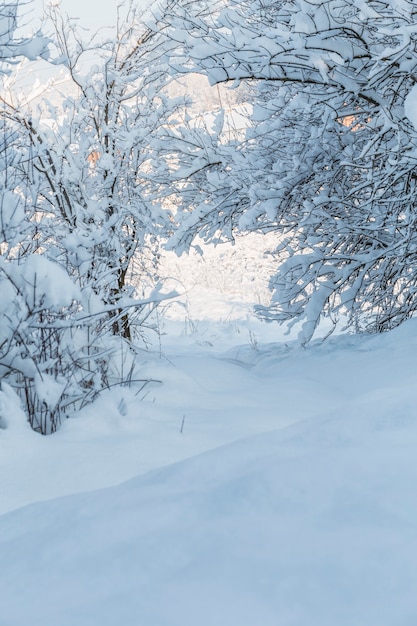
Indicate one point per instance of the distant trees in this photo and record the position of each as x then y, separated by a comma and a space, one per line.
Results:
329, 160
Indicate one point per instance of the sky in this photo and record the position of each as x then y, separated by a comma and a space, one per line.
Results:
92, 14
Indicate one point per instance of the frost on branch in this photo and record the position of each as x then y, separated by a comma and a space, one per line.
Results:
12, 47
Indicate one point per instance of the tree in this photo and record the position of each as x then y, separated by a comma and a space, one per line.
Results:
98, 161
329, 161
80, 195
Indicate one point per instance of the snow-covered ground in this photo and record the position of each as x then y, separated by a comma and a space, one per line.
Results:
259, 483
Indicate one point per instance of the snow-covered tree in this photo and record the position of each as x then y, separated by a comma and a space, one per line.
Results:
78, 209
329, 161
96, 161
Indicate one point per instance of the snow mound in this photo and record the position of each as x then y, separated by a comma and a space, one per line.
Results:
310, 525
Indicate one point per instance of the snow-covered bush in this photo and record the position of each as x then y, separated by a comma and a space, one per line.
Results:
57, 347
39, 299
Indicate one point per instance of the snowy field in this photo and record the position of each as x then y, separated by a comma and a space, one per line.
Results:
257, 484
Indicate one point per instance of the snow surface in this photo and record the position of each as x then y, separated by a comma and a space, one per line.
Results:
410, 106
259, 484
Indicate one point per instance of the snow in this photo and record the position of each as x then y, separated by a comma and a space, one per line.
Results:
11, 211
46, 282
258, 483
410, 106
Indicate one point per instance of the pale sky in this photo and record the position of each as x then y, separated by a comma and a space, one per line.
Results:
92, 14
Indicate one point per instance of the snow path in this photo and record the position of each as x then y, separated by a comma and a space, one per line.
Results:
213, 401
215, 398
